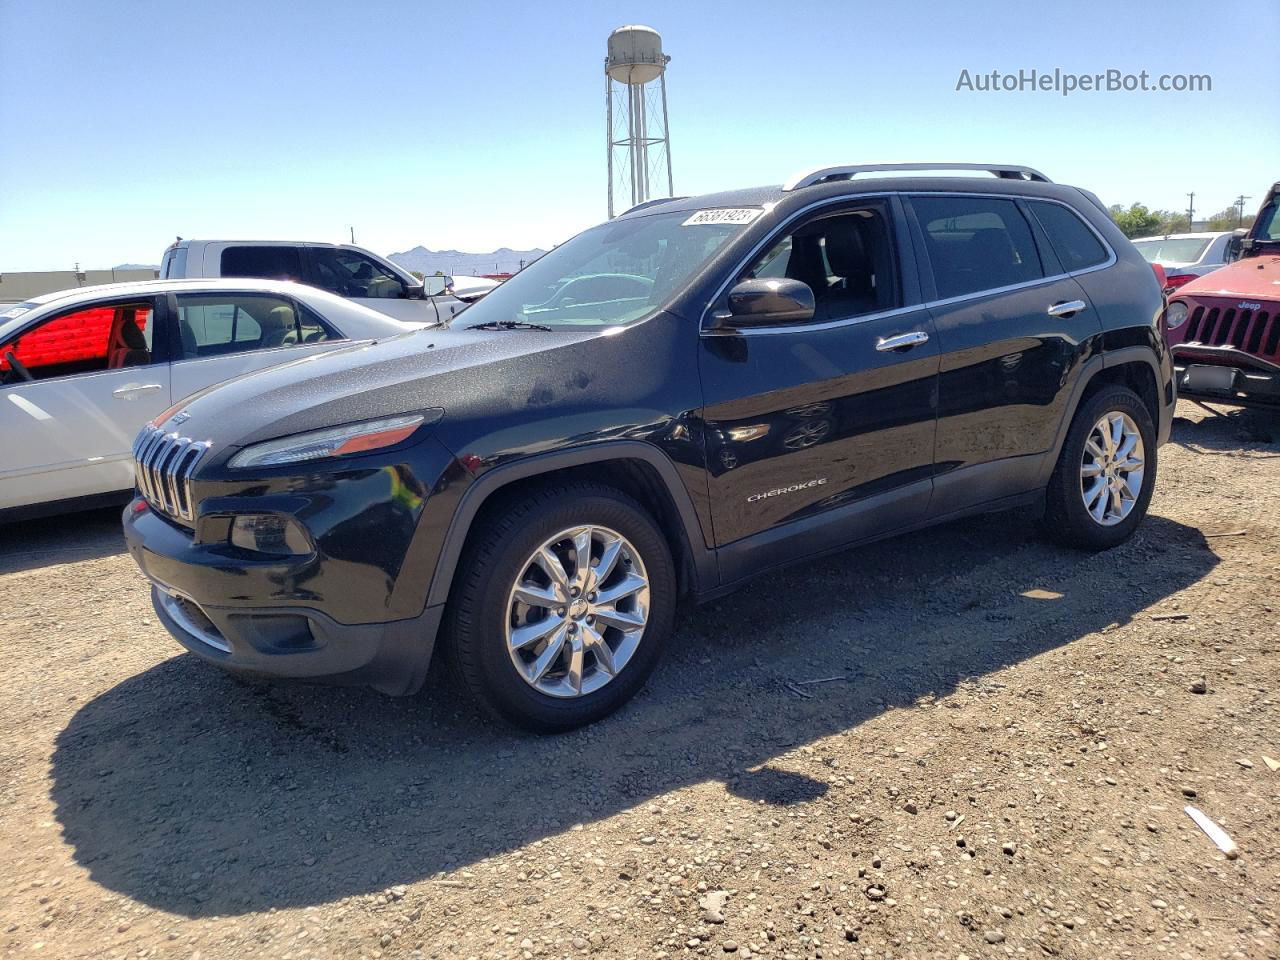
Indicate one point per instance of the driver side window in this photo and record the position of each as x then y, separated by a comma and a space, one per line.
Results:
86, 340
845, 258
351, 274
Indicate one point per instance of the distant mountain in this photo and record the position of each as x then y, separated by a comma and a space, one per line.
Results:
502, 260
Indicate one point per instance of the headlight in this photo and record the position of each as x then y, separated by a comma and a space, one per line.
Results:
331, 442
1176, 315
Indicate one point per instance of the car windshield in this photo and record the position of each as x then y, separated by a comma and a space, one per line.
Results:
11, 315
1268, 228
1172, 249
610, 274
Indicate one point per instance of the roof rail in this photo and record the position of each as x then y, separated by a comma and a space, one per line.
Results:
1005, 171
649, 203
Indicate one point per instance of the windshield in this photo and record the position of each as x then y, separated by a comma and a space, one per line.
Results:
11, 315
1172, 249
613, 273
1268, 226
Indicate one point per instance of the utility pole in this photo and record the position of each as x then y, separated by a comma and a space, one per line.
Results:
353, 235
1191, 209
1239, 205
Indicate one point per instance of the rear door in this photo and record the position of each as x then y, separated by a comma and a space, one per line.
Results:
821, 432
220, 334
67, 432
1014, 330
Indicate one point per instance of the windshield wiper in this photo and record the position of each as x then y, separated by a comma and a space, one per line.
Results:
509, 325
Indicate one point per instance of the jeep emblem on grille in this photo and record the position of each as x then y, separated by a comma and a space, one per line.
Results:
1248, 305
182, 416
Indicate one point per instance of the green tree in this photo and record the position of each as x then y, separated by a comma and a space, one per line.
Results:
1171, 222
1137, 221
1228, 219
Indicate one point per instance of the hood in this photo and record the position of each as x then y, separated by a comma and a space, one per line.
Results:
1257, 278
414, 371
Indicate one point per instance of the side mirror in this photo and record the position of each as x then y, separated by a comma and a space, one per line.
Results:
435, 286
414, 291
765, 301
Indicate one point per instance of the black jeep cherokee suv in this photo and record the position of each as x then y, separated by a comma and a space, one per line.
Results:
665, 405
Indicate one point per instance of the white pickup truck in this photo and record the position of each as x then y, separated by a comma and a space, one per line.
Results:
348, 271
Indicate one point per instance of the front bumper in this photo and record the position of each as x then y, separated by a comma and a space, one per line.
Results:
199, 596
1225, 381
393, 658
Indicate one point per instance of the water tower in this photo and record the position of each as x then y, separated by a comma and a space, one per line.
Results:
639, 141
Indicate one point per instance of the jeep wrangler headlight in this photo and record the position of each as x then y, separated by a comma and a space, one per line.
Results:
331, 442
1176, 315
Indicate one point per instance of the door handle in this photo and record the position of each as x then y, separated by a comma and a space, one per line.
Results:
130, 390
903, 341
1066, 308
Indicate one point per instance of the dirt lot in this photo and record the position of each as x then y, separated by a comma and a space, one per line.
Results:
999, 767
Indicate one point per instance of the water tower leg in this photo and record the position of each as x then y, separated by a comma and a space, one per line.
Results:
608, 135
666, 134
642, 145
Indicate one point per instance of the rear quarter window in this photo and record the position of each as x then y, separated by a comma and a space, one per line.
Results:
1075, 244
174, 264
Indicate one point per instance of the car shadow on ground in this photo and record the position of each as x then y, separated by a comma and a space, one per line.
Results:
204, 794
1226, 429
67, 538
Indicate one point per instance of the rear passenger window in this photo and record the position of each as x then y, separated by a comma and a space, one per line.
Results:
211, 325
1075, 244
266, 263
976, 243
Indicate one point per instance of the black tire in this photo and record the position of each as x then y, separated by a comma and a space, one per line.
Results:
1066, 519
495, 557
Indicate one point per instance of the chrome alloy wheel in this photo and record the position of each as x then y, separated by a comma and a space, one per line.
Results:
1112, 468
577, 611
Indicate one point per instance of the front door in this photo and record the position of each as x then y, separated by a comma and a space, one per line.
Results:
1014, 330
363, 280
821, 433
75, 389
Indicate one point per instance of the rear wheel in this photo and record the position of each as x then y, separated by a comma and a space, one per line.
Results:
1106, 472
564, 602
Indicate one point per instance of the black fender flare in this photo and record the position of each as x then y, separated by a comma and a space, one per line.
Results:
705, 567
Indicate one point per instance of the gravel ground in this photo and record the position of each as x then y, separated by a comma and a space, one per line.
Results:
961, 743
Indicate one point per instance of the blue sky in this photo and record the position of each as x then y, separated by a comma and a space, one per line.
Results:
476, 125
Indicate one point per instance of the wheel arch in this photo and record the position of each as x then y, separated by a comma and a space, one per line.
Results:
637, 469
1137, 368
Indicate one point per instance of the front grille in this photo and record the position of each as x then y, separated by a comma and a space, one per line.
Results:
162, 466
1253, 331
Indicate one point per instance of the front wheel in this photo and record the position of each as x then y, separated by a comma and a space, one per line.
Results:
1106, 472
564, 603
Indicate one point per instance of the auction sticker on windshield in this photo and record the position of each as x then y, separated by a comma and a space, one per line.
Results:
727, 215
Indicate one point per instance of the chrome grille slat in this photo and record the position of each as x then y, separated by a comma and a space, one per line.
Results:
163, 464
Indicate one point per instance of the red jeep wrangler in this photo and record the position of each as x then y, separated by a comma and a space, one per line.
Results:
1224, 328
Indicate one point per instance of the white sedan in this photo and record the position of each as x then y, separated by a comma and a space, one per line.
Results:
82, 370
1185, 256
